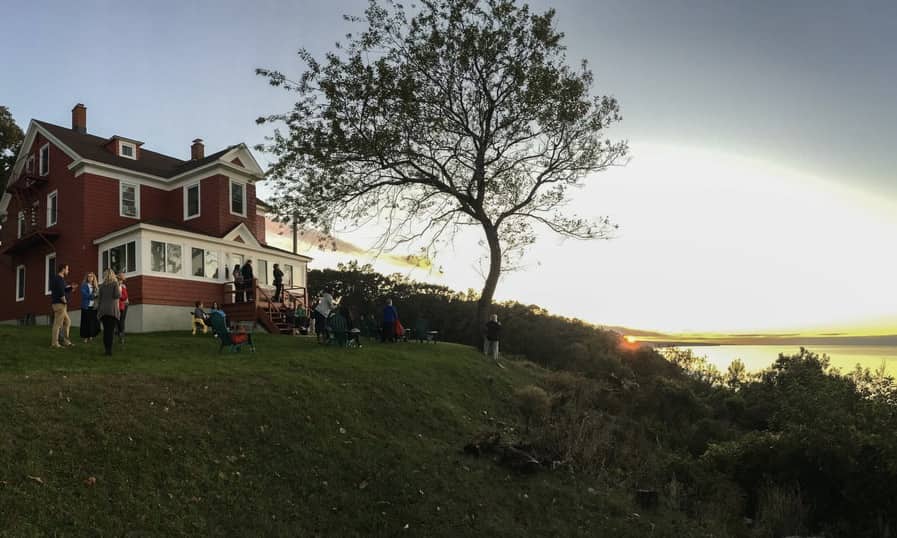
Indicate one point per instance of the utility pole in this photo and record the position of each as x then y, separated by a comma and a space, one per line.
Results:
295, 234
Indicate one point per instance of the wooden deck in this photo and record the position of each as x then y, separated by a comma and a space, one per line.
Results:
262, 309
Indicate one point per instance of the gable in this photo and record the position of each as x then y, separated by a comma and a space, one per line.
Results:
241, 234
241, 156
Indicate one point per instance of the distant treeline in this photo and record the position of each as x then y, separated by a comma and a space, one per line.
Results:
798, 448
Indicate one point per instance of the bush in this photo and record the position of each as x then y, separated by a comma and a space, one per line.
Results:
533, 403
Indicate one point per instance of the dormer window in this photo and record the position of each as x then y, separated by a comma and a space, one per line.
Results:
127, 149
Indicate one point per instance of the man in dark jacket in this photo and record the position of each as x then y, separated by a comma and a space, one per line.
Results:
493, 332
248, 282
59, 303
278, 283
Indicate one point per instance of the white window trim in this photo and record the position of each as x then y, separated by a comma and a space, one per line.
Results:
20, 224
230, 198
121, 153
40, 160
47, 271
20, 279
29, 164
198, 199
49, 206
121, 205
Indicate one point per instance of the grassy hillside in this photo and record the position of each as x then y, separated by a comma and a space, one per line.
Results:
294, 440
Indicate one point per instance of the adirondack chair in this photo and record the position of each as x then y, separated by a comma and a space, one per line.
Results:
339, 330
423, 333
233, 341
198, 324
370, 328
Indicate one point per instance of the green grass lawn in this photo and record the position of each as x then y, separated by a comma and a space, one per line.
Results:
296, 439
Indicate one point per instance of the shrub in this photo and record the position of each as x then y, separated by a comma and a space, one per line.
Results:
533, 403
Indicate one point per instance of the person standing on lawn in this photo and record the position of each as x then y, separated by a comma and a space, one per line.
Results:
109, 307
248, 280
90, 323
123, 303
322, 312
278, 283
390, 317
61, 320
493, 333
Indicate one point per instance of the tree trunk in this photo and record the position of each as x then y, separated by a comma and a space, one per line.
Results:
485, 303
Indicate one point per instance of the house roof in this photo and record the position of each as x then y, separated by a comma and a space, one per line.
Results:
167, 225
93, 147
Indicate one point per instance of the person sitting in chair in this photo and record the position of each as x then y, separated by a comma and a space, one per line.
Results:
200, 318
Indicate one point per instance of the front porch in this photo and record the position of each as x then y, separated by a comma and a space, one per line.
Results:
256, 304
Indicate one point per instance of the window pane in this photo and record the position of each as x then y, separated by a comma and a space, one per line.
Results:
128, 200
51, 210
20, 291
193, 201
132, 257
287, 275
105, 261
198, 263
174, 258
263, 272
45, 160
117, 259
51, 269
157, 256
211, 264
127, 150
236, 198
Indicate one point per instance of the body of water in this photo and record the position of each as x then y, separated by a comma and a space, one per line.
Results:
757, 358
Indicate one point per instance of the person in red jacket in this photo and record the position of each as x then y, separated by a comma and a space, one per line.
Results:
123, 303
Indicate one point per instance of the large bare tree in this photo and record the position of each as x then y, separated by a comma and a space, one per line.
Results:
463, 112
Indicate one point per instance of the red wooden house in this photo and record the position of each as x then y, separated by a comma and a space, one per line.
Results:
175, 227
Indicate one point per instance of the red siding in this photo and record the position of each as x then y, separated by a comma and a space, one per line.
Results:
173, 291
88, 208
67, 247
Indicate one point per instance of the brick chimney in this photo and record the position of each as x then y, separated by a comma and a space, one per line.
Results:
197, 150
79, 118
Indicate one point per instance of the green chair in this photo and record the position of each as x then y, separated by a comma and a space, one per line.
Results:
234, 341
339, 330
370, 328
423, 333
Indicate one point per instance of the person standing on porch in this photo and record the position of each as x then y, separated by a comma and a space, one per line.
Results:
278, 283
239, 294
123, 303
109, 307
248, 280
61, 320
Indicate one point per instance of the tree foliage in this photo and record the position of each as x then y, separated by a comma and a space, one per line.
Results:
797, 446
464, 113
11, 137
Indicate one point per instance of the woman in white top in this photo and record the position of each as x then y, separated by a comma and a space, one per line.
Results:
322, 312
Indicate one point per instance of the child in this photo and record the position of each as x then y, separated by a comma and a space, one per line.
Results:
493, 332
199, 318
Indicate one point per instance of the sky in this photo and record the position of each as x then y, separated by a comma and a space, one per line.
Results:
761, 195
